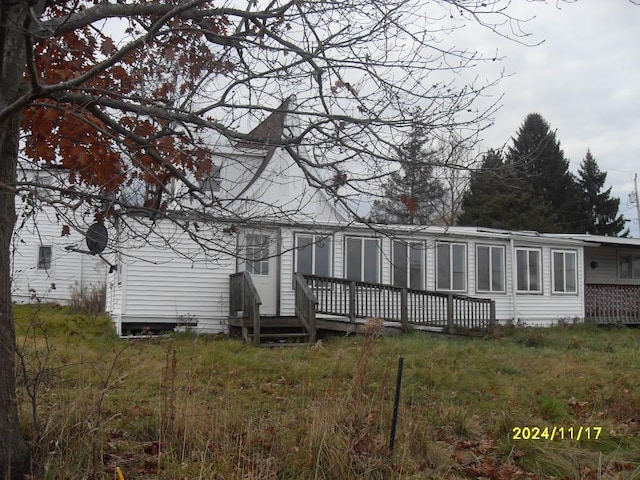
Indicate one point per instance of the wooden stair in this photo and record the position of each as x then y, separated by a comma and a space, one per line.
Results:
277, 332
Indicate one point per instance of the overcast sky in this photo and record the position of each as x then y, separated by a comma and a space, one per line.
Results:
584, 80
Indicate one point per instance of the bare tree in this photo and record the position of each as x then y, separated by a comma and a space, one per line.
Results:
459, 160
131, 99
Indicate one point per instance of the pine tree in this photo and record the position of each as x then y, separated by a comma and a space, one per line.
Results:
537, 157
411, 194
498, 198
600, 210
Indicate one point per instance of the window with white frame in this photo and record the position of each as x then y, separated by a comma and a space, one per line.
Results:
362, 259
451, 266
313, 254
490, 269
565, 273
257, 251
45, 257
528, 270
408, 264
628, 266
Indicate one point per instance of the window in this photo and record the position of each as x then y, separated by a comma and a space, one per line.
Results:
45, 255
565, 275
313, 255
451, 266
490, 269
257, 247
210, 183
528, 270
408, 264
362, 259
629, 266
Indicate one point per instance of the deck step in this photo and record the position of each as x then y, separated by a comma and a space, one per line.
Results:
282, 335
284, 344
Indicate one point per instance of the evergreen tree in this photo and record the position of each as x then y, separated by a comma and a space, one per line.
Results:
411, 194
600, 210
539, 161
498, 198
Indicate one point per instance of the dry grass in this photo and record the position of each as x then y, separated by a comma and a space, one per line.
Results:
191, 407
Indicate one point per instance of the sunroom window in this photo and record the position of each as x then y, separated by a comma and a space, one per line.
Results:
565, 275
362, 259
451, 266
408, 264
490, 268
313, 254
528, 270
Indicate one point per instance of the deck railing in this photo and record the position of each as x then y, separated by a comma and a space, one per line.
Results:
244, 297
610, 304
305, 306
355, 299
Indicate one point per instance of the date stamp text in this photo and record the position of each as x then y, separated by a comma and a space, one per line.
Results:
551, 433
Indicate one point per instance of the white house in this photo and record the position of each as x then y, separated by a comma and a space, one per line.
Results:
532, 278
46, 264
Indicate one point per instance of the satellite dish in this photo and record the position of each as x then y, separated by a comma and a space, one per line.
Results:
97, 237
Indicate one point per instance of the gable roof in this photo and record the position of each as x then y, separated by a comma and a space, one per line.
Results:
270, 131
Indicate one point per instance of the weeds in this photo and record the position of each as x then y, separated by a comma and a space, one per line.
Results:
89, 300
188, 407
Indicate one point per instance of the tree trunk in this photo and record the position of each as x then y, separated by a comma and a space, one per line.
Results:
14, 451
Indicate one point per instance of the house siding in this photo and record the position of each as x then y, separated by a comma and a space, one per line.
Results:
70, 271
159, 286
606, 271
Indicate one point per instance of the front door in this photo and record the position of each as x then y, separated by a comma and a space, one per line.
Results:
258, 258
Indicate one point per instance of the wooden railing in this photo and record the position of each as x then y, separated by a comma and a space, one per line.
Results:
244, 297
352, 299
305, 306
610, 304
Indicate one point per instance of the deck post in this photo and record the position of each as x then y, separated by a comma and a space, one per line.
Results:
404, 314
352, 302
450, 324
256, 328
492, 316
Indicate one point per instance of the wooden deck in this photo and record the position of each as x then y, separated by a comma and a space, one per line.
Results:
340, 305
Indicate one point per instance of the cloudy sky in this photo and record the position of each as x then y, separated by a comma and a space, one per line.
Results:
584, 79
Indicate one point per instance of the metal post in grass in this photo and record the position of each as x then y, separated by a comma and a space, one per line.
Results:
396, 403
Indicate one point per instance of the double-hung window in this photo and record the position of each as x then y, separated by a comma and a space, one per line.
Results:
45, 257
490, 270
565, 273
528, 270
313, 254
362, 259
408, 264
451, 266
257, 247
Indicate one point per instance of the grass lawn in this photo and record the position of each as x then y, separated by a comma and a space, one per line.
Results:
205, 407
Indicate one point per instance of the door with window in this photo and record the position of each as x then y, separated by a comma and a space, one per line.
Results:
258, 258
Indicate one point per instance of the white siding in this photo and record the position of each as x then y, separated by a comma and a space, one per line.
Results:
606, 271
70, 271
161, 286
